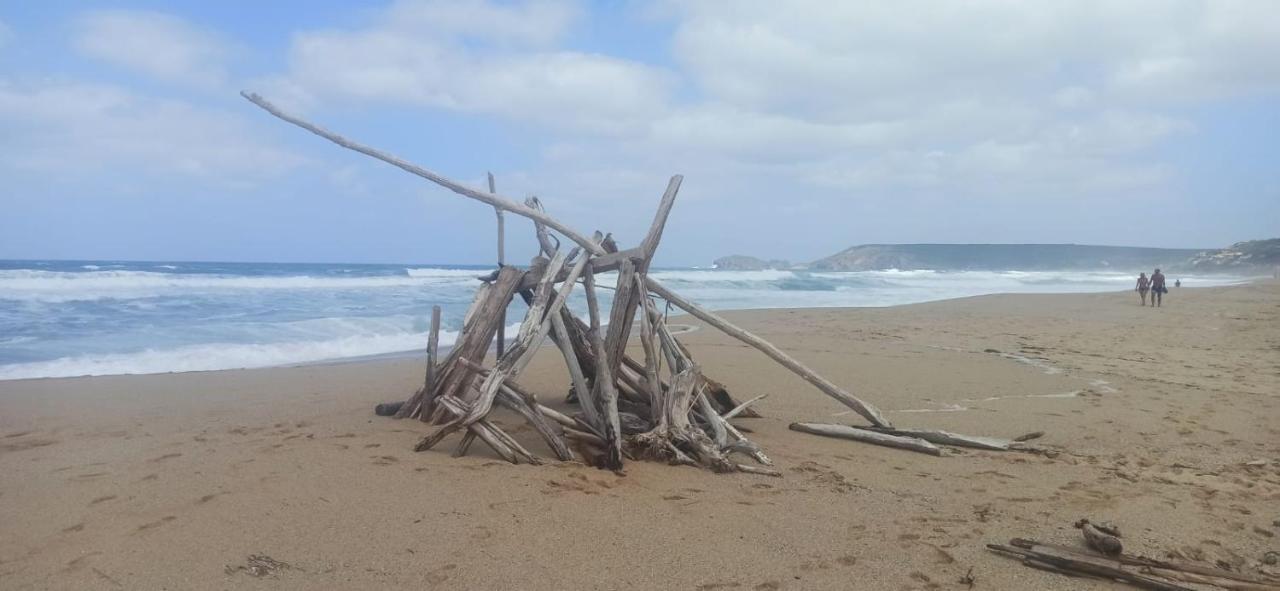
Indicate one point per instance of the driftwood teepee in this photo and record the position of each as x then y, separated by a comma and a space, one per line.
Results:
661, 408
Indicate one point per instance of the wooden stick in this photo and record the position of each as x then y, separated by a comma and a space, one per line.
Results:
532, 331
742, 407
433, 345
1223, 582
494, 199
1090, 565
585, 401
605, 390
846, 432
546, 241
525, 408
947, 438
652, 355
502, 259
866, 410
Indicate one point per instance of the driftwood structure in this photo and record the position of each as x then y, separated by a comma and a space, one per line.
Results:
661, 407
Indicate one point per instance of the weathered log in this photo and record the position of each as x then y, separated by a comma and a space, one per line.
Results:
532, 330
1215, 581
502, 260
454, 378
826, 386
947, 438
652, 350
564, 339
388, 409
1165, 565
1080, 563
433, 346
847, 432
603, 386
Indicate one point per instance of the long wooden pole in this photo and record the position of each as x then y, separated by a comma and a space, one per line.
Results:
495, 200
868, 411
502, 259
433, 345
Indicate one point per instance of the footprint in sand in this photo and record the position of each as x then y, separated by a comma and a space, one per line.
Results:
440, 575
154, 524
209, 497
27, 444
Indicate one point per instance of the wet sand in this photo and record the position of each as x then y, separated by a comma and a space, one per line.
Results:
175, 481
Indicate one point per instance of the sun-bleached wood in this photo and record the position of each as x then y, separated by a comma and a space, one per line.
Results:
847, 432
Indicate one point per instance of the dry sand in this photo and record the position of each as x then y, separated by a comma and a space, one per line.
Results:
174, 481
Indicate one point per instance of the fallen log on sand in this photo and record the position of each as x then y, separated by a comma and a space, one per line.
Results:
865, 436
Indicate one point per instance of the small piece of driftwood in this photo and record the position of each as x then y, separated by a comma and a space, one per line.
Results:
846, 432
947, 438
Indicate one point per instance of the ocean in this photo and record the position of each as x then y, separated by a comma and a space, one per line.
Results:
75, 318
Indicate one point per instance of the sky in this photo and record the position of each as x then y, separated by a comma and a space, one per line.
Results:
801, 128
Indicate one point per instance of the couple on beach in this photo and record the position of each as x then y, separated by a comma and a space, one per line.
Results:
1155, 284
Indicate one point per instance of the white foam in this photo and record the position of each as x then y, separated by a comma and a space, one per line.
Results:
432, 272
219, 356
213, 356
55, 286
712, 276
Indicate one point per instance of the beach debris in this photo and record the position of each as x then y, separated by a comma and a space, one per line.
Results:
259, 565
947, 438
846, 432
1271, 558
661, 408
1146, 573
1029, 436
968, 579
1103, 537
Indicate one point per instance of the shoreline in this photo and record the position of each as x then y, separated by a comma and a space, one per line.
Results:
412, 353
176, 480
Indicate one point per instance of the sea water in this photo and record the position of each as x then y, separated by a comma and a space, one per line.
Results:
74, 318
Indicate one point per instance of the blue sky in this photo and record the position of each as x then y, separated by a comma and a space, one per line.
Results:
801, 130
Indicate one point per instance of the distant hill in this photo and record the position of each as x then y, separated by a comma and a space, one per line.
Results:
1253, 255
739, 262
1002, 257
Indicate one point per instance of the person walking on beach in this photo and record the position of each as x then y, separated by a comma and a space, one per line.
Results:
1157, 288
1143, 285
1177, 283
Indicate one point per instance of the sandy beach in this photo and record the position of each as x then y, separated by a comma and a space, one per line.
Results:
1161, 417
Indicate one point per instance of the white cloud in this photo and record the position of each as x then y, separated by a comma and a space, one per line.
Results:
156, 44
826, 103
83, 130
479, 57
537, 22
